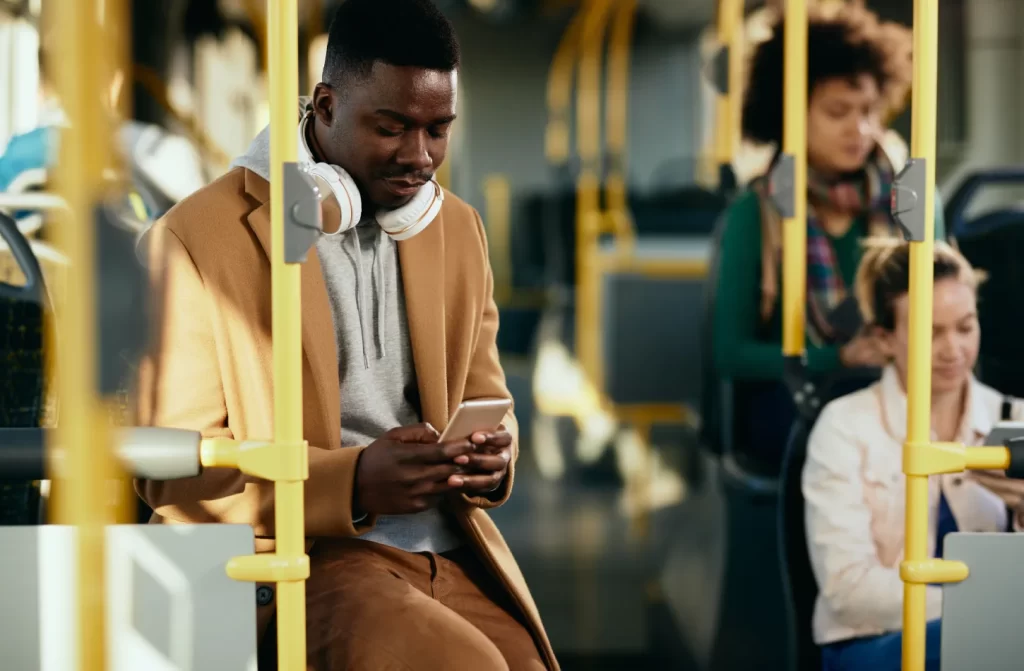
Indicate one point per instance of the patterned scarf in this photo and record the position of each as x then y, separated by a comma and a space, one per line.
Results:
865, 193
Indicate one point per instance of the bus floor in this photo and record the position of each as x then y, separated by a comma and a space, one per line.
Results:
616, 593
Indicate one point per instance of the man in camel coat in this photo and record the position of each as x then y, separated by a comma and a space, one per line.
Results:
398, 328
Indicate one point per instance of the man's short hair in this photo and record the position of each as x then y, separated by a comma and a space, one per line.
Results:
411, 33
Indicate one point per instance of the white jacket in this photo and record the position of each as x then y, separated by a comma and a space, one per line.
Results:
855, 498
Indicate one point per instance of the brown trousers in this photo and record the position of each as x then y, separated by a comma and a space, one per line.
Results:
370, 607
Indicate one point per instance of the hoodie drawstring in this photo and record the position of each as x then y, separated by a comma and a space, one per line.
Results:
377, 273
382, 295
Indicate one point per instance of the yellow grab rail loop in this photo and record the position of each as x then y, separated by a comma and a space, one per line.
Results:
617, 110
559, 92
729, 103
588, 206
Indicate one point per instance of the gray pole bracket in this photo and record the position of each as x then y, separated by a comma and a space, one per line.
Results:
782, 185
717, 70
907, 199
302, 219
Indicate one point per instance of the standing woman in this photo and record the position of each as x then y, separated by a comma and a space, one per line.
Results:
859, 73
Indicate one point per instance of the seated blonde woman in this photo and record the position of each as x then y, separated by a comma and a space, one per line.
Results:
853, 482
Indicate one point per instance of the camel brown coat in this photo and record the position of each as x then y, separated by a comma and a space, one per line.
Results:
211, 367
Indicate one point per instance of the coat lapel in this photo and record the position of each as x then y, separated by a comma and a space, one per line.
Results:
318, 340
422, 261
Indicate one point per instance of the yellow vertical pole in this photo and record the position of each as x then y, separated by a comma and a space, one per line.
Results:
617, 105
728, 104
83, 485
616, 217
588, 206
559, 92
286, 301
498, 205
117, 23
794, 256
919, 373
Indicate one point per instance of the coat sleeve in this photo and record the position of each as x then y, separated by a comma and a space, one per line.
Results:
179, 386
857, 588
486, 378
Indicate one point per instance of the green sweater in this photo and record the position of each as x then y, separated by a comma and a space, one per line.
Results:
744, 348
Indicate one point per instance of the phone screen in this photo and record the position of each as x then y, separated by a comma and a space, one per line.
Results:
477, 415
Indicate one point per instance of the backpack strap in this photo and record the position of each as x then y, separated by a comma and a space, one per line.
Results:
1005, 415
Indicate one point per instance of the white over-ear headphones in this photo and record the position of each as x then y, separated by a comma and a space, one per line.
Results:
401, 223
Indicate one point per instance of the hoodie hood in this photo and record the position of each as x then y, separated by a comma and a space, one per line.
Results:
257, 157
349, 250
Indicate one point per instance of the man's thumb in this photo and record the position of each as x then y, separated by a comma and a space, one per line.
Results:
417, 433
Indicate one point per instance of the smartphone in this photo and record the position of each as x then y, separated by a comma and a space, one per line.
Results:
1004, 431
478, 415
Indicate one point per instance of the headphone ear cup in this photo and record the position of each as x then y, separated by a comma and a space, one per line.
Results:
349, 200
343, 200
340, 205
410, 219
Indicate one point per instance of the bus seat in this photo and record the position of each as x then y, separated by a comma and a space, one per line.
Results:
996, 246
797, 576
750, 594
22, 368
716, 392
651, 344
689, 210
720, 398
958, 222
981, 615
23, 168
170, 603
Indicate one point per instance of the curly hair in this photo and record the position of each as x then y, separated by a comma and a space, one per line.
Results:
842, 42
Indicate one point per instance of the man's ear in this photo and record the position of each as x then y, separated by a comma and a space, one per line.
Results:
323, 103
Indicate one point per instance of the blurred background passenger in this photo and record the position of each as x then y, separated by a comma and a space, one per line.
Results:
859, 73
853, 481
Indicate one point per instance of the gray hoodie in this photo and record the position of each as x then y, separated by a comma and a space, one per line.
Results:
375, 366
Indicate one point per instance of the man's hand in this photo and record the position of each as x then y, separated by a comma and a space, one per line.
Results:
483, 470
406, 471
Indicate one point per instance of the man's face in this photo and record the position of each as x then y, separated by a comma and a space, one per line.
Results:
388, 130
